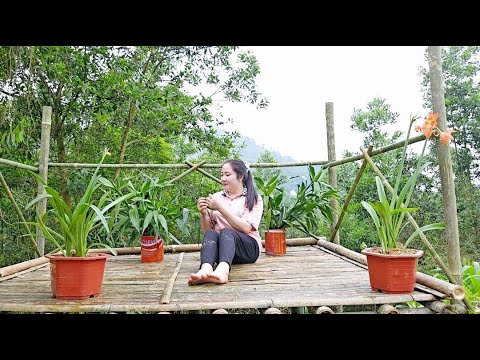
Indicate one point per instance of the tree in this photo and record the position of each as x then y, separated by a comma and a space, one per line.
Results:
267, 173
461, 69
138, 101
370, 121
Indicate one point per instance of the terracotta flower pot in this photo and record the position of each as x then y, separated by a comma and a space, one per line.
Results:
75, 278
392, 273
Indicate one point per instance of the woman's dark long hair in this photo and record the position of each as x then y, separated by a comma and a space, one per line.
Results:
239, 167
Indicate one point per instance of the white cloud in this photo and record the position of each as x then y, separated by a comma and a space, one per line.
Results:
298, 81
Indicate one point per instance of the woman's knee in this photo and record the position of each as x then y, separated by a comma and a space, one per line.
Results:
210, 235
227, 232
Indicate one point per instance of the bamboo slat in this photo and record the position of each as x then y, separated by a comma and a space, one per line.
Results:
168, 289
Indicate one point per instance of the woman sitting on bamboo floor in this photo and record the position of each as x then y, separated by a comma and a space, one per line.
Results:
229, 221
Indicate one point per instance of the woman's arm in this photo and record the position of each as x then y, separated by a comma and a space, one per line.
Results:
234, 221
204, 216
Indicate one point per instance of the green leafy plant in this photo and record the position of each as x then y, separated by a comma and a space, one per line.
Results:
76, 225
309, 204
149, 211
389, 215
470, 281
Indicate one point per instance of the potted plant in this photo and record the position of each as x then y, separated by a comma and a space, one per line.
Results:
302, 210
146, 216
392, 266
76, 274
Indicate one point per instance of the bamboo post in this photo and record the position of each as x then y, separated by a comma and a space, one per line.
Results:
219, 311
332, 170
43, 171
271, 310
18, 211
324, 310
350, 194
445, 165
440, 307
207, 174
416, 311
188, 171
388, 309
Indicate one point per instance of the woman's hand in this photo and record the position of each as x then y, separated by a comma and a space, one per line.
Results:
212, 202
202, 205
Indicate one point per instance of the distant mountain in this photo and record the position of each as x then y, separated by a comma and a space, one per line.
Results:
252, 152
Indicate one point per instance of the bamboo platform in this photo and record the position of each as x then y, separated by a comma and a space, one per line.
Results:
307, 276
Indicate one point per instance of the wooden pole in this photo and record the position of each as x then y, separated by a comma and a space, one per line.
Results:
12, 269
194, 167
43, 171
445, 165
332, 170
350, 194
207, 174
18, 165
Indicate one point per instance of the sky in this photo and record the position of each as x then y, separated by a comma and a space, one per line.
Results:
299, 80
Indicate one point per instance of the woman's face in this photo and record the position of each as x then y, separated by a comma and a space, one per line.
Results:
229, 178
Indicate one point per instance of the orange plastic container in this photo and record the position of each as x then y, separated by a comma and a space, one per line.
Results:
275, 242
151, 249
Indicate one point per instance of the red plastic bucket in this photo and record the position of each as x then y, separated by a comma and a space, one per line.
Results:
151, 249
275, 242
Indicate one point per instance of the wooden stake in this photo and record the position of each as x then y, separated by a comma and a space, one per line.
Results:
43, 171
350, 195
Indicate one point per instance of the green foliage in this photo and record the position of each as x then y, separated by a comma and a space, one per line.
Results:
369, 121
307, 206
389, 216
470, 281
189, 228
267, 173
75, 225
148, 212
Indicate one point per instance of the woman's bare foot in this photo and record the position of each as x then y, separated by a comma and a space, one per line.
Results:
219, 276
197, 278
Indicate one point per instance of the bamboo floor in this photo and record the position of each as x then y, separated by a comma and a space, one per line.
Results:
307, 276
